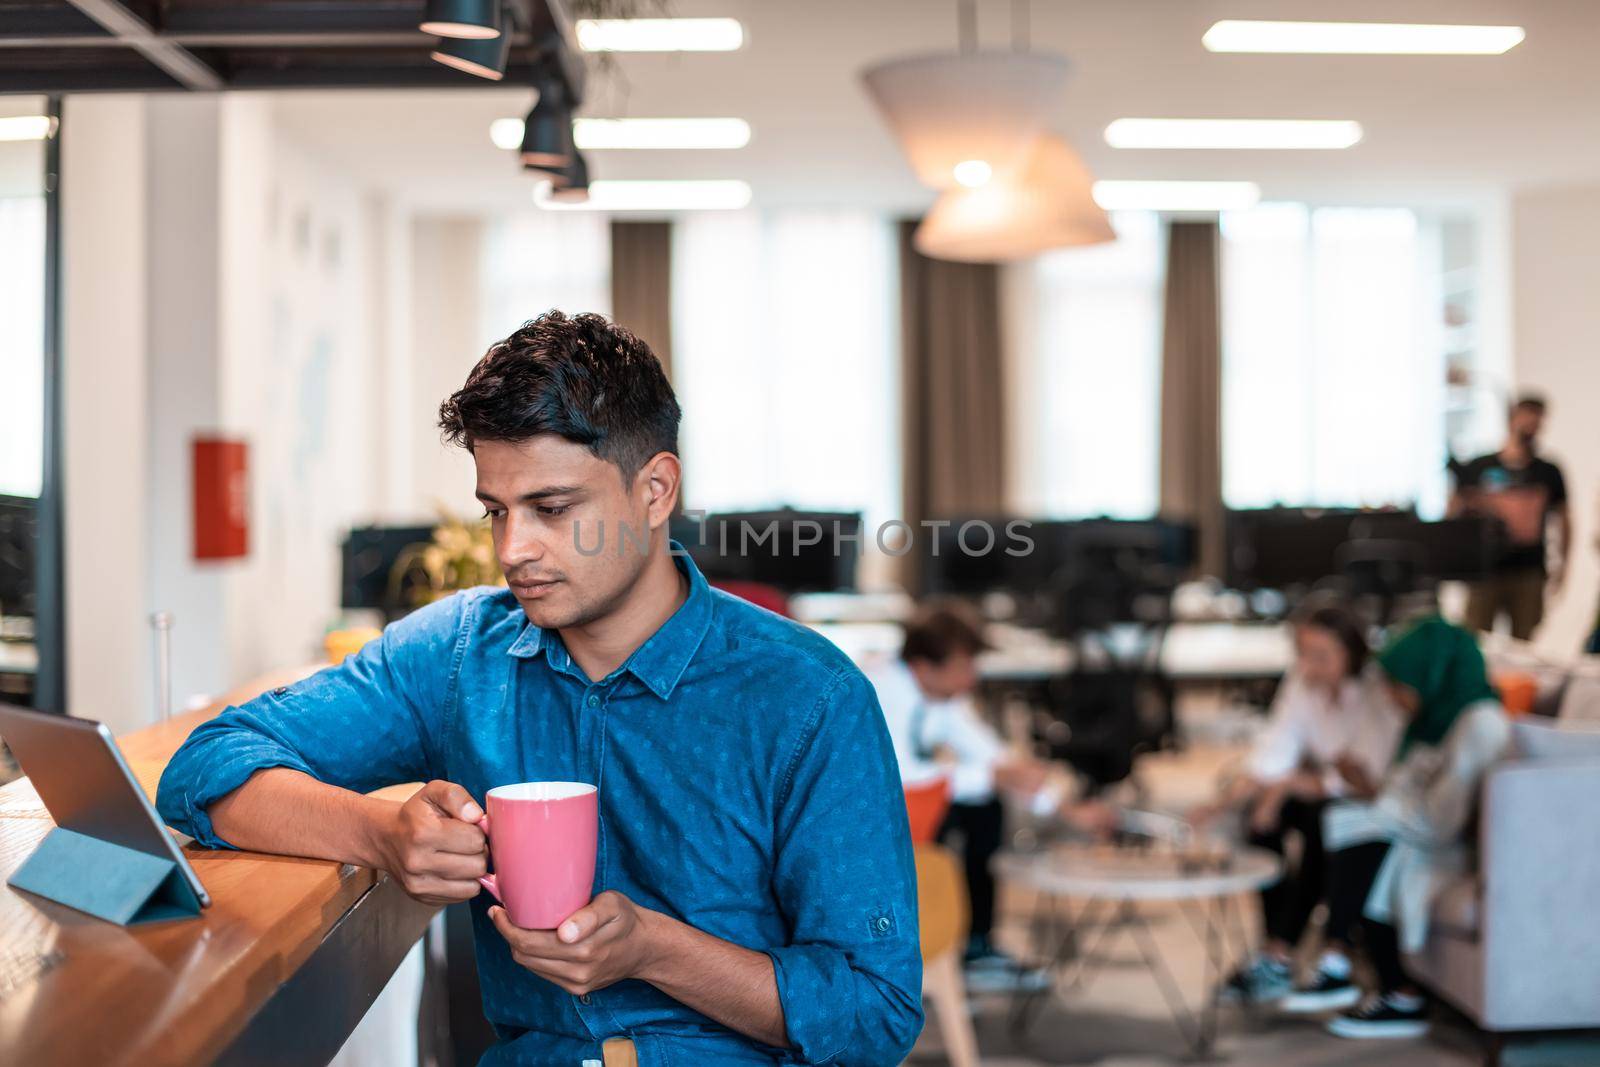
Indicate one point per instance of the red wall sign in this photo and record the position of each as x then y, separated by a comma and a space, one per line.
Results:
221, 498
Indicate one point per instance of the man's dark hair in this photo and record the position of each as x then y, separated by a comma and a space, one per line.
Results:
582, 378
1342, 622
1533, 402
940, 630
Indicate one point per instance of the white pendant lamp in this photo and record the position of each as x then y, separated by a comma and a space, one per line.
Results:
1048, 204
953, 108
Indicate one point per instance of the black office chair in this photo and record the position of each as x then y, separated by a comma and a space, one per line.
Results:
1114, 600
1380, 574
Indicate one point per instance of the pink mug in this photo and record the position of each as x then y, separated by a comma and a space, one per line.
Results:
543, 845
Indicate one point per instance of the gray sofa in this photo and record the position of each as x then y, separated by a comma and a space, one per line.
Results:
1516, 947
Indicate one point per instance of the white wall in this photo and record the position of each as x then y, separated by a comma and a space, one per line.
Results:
104, 412
446, 340
300, 381
183, 287
1555, 279
220, 278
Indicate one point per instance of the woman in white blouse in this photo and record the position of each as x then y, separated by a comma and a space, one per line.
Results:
1330, 734
1389, 857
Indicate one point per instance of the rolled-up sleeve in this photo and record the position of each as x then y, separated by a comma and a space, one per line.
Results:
850, 980
372, 721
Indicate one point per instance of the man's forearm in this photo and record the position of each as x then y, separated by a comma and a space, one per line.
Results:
288, 812
733, 985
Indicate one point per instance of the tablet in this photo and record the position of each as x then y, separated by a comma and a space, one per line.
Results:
79, 773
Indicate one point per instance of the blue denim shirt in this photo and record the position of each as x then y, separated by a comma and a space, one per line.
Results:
747, 787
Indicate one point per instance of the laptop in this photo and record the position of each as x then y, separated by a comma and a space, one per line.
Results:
87, 786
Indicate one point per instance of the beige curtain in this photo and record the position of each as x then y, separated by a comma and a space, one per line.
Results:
641, 284
951, 388
1191, 389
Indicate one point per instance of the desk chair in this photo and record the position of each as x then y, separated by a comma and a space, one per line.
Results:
942, 907
1115, 608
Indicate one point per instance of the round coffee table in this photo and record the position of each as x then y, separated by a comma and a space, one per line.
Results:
1115, 881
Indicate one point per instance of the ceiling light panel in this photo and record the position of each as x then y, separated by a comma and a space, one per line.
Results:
1360, 38
1233, 133
660, 35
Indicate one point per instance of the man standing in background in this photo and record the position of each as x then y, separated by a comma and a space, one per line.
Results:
1523, 490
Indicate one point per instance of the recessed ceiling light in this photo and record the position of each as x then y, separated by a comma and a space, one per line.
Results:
972, 172
1233, 133
1175, 196
25, 127
653, 196
1365, 38
660, 35
661, 133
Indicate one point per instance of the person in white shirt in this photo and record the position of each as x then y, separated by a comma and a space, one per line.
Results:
926, 695
1330, 734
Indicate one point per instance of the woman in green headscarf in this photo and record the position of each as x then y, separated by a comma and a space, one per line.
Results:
1387, 859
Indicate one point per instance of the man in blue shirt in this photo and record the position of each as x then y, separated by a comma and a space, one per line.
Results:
755, 893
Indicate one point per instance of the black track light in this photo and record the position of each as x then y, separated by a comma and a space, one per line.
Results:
572, 187
468, 20
485, 57
547, 132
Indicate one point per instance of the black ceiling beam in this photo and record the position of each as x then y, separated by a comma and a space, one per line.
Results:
388, 76
46, 19
179, 62
412, 38
292, 17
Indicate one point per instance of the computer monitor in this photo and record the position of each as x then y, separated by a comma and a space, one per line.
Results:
367, 560
1460, 549
19, 538
963, 562
790, 550
1284, 548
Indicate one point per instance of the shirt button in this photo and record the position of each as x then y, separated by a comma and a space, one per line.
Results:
584, 999
883, 924
594, 701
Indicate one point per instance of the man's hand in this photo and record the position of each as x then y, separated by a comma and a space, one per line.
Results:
432, 845
1268, 806
606, 941
1354, 772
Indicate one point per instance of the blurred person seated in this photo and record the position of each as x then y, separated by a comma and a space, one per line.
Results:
936, 731
1330, 733
1389, 856
1525, 491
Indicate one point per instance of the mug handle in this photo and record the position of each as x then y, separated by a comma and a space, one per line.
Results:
488, 880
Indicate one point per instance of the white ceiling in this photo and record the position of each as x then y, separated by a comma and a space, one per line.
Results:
1437, 128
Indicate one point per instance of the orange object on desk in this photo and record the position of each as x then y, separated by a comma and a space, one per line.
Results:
926, 805
1518, 691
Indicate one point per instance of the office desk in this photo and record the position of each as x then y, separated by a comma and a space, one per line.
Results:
278, 970
1193, 652
18, 657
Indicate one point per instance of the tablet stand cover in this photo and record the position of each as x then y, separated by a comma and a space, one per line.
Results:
111, 882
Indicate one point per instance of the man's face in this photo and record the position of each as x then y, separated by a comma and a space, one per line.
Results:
956, 676
546, 497
1526, 424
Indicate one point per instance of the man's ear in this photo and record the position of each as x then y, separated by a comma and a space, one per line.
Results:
660, 479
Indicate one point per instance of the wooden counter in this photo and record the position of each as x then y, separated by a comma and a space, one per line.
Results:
279, 969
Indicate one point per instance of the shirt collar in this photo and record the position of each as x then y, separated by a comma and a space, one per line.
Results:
665, 655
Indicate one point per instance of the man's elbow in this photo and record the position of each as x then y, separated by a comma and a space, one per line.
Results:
887, 1039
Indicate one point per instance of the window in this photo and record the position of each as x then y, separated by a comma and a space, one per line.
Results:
21, 344
1083, 326
1333, 380
537, 260
785, 359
